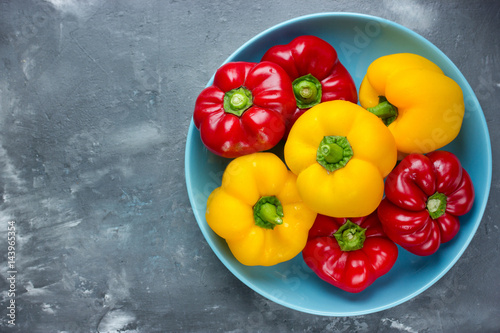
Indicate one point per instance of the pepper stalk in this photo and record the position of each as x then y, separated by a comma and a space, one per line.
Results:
307, 90
334, 152
384, 110
436, 205
350, 236
268, 212
238, 100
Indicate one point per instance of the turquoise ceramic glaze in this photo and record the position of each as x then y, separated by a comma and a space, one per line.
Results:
358, 39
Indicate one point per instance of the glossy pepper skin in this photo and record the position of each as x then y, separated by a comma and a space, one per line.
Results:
349, 253
341, 154
425, 195
423, 107
258, 211
246, 108
315, 70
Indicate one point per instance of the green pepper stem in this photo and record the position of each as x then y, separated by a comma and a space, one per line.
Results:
350, 236
334, 152
436, 205
238, 100
307, 90
385, 111
268, 212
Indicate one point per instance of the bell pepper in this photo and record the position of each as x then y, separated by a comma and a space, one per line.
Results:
315, 70
341, 154
422, 107
425, 195
349, 253
246, 108
258, 210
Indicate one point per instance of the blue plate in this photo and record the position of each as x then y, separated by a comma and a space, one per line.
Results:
358, 39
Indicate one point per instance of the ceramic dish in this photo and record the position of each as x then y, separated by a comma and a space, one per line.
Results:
358, 39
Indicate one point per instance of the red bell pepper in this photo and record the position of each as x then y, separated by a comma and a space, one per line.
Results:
425, 195
316, 72
246, 108
349, 253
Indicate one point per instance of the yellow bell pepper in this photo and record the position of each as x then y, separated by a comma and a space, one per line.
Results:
422, 107
341, 154
258, 211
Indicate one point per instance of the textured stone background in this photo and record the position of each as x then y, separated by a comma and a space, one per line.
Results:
96, 98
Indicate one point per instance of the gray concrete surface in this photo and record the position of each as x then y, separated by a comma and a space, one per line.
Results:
96, 98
